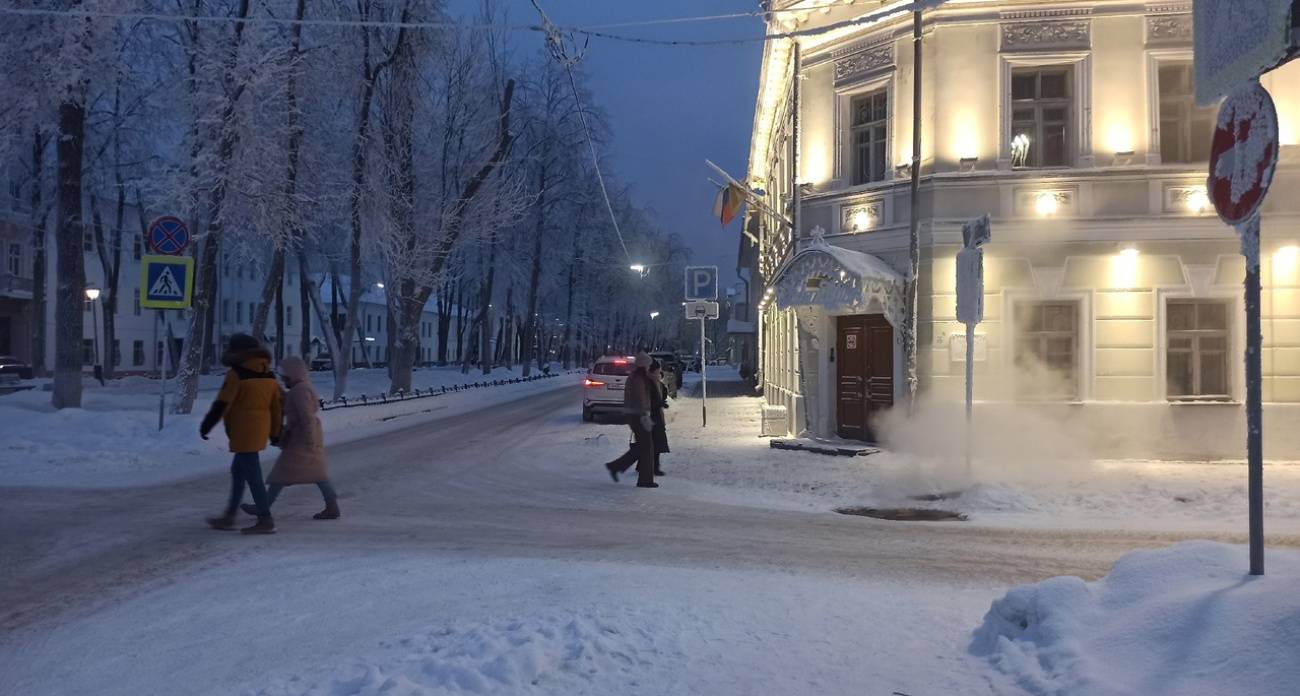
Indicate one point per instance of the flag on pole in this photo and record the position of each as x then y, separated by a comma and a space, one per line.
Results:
728, 203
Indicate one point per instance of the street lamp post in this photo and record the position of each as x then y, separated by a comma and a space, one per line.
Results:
92, 294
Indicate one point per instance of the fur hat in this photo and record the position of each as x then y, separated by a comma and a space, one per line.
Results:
643, 359
241, 342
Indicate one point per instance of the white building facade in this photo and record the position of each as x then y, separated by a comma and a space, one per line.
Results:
1113, 294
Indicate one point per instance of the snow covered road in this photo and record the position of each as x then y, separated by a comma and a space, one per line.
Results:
502, 510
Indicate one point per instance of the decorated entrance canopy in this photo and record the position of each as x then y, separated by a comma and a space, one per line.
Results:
840, 280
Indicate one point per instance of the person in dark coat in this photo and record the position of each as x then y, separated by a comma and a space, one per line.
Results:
636, 406
249, 405
658, 402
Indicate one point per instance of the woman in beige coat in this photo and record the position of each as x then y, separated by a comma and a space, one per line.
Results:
302, 443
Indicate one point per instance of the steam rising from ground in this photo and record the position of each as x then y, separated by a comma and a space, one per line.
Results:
1010, 444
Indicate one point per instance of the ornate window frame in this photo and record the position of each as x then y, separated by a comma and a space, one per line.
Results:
1080, 63
876, 81
1155, 57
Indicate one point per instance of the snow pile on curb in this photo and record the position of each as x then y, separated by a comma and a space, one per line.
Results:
551, 652
1181, 621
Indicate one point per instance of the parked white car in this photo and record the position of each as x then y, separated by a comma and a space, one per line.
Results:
602, 390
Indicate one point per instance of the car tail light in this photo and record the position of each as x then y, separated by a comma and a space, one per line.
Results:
620, 362
592, 383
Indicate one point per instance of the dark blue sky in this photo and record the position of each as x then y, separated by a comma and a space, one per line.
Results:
671, 106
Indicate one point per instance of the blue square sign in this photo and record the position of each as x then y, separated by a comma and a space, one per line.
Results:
701, 282
166, 282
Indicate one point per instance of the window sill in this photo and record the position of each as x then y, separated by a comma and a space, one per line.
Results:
1203, 402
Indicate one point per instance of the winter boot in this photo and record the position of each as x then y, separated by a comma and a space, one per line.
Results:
331, 511
265, 525
652, 484
613, 471
225, 522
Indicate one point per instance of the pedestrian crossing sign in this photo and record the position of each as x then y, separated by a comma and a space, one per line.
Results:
166, 282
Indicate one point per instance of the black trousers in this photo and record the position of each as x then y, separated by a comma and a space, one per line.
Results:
641, 453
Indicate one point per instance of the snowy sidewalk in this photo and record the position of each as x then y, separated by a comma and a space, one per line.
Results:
113, 440
1037, 481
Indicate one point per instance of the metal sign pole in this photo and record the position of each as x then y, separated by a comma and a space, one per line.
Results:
162, 370
1249, 232
970, 390
704, 380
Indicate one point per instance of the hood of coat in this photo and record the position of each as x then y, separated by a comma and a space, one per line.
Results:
294, 369
255, 359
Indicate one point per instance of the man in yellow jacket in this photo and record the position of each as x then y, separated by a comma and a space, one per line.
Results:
249, 404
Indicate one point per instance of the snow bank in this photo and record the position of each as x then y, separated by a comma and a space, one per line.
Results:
1180, 621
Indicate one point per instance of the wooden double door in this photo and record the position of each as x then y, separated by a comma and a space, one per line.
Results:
864, 368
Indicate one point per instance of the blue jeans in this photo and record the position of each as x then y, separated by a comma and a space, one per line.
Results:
246, 468
326, 491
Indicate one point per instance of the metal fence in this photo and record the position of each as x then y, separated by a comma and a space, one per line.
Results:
400, 396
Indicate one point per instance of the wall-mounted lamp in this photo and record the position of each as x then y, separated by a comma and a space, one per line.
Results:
1128, 251
1122, 158
861, 220
967, 164
1045, 204
903, 170
1197, 201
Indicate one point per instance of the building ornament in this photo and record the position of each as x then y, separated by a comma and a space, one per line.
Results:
1046, 35
1169, 29
862, 217
864, 61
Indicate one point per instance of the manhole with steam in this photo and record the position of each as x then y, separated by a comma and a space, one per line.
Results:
904, 514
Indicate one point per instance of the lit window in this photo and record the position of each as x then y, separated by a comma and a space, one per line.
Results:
869, 126
1196, 364
1041, 102
1185, 131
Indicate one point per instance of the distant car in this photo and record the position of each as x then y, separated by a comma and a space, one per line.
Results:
9, 365
602, 390
320, 364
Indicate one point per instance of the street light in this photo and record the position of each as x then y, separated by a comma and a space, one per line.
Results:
92, 294
653, 315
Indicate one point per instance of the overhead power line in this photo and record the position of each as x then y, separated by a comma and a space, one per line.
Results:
592, 31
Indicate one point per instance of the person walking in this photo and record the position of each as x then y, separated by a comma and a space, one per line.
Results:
249, 405
302, 444
636, 406
658, 402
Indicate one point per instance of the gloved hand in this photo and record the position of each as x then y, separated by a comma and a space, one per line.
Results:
646, 423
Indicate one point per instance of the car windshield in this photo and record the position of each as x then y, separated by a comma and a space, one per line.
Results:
620, 370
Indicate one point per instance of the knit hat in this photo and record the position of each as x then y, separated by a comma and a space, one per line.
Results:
241, 342
643, 359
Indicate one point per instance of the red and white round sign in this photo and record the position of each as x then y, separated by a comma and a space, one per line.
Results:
1243, 153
